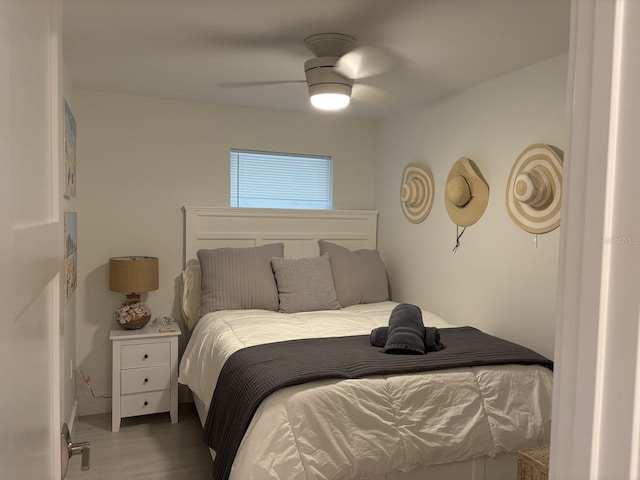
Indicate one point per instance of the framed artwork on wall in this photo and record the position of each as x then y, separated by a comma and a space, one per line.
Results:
70, 276
70, 254
69, 152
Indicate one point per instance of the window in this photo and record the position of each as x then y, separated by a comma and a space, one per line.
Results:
279, 180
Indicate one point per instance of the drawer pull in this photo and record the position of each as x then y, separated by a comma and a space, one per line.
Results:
146, 403
146, 355
146, 380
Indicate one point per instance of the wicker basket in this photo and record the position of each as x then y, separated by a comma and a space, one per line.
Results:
533, 463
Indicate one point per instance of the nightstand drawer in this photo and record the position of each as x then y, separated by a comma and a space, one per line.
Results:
144, 403
146, 355
146, 379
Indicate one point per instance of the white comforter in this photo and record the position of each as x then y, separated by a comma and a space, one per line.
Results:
349, 429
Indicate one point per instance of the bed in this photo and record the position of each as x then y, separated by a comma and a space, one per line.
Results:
456, 423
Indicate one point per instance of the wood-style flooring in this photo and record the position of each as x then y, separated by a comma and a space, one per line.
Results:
149, 447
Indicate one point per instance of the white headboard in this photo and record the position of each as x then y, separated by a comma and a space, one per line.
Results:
299, 230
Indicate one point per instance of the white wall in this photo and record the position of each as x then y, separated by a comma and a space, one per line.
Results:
140, 159
498, 280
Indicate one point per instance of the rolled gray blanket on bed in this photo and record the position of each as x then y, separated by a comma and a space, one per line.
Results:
406, 331
378, 336
432, 339
432, 343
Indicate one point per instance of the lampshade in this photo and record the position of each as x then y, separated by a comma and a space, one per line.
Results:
133, 274
328, 89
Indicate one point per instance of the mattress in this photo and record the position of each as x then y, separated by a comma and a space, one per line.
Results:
364, 428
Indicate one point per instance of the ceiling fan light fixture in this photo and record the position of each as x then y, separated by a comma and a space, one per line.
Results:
328, 90
330, 96
330, 101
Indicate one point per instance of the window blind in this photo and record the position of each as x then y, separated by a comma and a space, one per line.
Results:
278, 180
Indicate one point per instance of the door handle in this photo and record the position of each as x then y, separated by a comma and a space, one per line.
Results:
68, 449
83, 448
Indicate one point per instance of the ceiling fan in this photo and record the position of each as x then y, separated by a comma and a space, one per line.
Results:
338, 63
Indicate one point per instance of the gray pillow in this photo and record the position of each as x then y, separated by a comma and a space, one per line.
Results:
238, 278
359, 276
305, 284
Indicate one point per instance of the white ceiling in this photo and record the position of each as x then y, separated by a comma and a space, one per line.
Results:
188, 49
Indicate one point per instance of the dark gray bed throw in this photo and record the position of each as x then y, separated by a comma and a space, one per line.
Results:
251, 374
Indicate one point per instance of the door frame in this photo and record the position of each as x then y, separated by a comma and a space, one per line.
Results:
596, 405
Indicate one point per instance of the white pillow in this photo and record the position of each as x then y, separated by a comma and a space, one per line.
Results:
191, 280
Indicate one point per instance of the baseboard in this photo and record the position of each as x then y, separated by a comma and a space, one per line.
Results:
72, 416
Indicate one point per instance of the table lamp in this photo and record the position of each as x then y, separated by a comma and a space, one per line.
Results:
133, 275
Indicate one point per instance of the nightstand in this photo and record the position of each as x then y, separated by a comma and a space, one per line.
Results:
145, 373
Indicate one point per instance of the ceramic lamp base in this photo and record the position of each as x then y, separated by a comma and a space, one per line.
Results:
133, 315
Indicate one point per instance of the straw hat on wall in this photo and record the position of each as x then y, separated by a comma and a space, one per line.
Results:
534, 189
416, 192
466, 193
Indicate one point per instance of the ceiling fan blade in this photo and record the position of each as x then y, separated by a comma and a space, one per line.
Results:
370, 94
257, 84
365, 62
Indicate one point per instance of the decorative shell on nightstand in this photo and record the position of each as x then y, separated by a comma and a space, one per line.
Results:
133, 315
